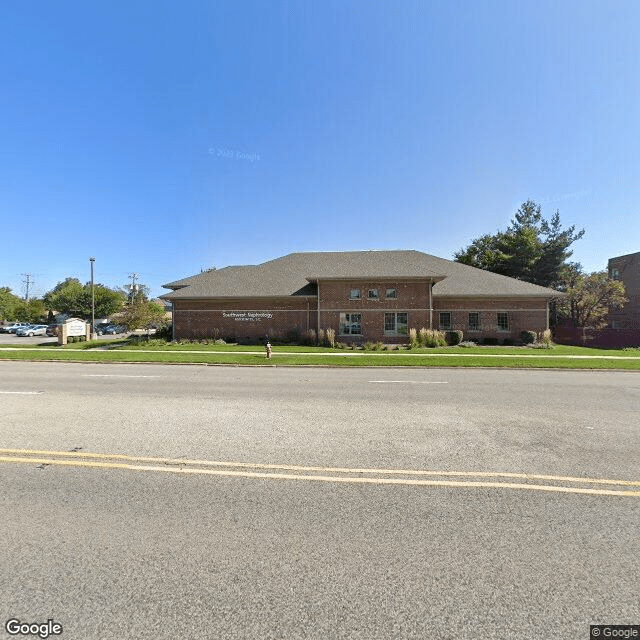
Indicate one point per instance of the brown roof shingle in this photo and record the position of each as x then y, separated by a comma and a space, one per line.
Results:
292, 274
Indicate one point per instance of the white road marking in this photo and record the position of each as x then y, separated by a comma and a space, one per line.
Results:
114, 375
410, 381
25, 393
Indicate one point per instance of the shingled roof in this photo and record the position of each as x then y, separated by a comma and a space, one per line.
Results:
296, 273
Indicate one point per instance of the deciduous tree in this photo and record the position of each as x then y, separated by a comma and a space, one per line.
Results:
589, 296
140, 313
9, 303
74, 299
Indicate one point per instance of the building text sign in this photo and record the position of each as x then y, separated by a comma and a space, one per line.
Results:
76, 328
248, 316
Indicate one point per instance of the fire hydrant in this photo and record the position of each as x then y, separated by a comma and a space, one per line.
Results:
268, 350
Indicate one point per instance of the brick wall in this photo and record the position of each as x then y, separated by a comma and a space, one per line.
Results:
233, 318
410, 297
627, 270
523, 314
237, 318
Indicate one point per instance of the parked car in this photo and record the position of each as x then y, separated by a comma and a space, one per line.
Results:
100, 327
12, 328
113, 329
52, 330
33, 330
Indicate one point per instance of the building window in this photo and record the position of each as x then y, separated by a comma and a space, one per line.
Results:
395, 324
615, 324
503, 321
474, 321
615, 274
374, 294
391, 293
350, 324
355, 294
445, 321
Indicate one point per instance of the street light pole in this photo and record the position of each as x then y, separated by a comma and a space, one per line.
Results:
93, 302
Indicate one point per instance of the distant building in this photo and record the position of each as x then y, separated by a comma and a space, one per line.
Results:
361, 295
627, 270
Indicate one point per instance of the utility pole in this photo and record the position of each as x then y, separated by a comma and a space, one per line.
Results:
93, 302
134, 287
28, 281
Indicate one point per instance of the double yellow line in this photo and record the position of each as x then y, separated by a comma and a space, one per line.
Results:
412, 477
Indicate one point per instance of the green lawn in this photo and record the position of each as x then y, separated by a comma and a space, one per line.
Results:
119, 350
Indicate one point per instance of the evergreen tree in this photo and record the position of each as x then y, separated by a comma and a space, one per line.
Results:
531, 249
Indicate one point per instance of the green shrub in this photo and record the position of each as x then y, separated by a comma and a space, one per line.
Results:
331, 337
430, 338
454, 337
545, 337
293, 336
309, 338
490, 341
508, 342
528, 337
439, 339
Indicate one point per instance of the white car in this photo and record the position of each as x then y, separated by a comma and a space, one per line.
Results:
33, 330
12, 328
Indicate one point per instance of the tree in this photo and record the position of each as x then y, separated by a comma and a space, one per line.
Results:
72, 298
531, 249
9, 304
589, 296
140, 313
32, 311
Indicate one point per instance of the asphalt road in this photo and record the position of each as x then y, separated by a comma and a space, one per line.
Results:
182, 550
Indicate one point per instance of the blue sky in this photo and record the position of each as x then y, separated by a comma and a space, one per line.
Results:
167, 137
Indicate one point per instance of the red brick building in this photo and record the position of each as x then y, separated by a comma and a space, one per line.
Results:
362, 295
627, 270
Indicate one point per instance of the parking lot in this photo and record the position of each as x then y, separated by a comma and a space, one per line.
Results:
11, 338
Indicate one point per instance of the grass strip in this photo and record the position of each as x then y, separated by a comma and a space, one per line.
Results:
329, 359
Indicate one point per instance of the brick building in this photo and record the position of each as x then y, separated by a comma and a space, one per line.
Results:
626, 319
362, 295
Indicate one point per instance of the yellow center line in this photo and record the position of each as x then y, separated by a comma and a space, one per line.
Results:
79, 459
285, 476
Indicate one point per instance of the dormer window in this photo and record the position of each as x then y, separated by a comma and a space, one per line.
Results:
374, 294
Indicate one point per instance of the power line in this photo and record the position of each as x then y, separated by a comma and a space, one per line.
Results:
27, 281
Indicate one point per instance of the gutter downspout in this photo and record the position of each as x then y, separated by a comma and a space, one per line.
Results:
308, 313
547, 313
431, 305
173, 321
318, 307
